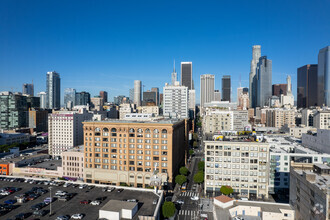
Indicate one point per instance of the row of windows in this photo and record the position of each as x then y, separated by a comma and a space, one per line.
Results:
131, 130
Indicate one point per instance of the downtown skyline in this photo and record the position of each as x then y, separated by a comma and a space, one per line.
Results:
91, 53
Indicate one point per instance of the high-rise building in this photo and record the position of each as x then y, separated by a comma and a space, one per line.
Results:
149, 97
243, 98
192, 103
131, 95
53, 90
97, 103
217, 95
264, 81
323, 77
83, 98
186, 75
137, 92
38, 120
307, 86
13, 111
279, 89
43, 100
256, 54
174, 76
175, 101
288, 99
118, 100
143, 146
156, 90
207, 89
104, 96
69, 97
65, 130
239, 93
28, 89
226, 88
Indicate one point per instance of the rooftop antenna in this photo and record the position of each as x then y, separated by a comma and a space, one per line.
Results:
174, 66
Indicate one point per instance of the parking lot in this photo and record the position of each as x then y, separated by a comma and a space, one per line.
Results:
73, 206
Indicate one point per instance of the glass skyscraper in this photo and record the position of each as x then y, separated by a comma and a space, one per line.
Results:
69, 97
264, 81
53, 90
323, 77
307, 86
226, 88
186, 75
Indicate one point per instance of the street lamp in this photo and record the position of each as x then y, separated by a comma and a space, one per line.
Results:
50, 205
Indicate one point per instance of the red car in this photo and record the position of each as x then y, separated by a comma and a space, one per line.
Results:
85, 202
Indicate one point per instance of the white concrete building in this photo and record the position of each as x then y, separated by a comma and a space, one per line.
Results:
175, 103
65, 130
137, 92
298, 131
126, 109
207, 89
149, 110
321, 119
236, 162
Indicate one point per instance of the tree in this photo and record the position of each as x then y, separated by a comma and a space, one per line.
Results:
184, 171
201, 165
180, 179
168, 209
195, 136
195, 144
199, 177
226, 190
191, 152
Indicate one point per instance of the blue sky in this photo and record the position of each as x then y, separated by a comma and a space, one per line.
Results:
106, 45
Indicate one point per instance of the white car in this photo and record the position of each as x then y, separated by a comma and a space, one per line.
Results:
95, 202
77, 216
195, 198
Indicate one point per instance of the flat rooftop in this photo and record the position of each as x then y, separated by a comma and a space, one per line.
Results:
118, 121
117, 205
321, 181
265, 207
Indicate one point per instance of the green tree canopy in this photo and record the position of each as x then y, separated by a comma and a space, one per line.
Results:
201, 165
180, 179
191, 152
184, 171
199, 177
226, 190
168, 209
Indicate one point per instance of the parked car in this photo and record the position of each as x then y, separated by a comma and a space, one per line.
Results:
111, 189
48, 200
96, 202
104, 189
40, 213
101, 198
195, 198
11, 201
77, 216
22, 216
120, 190
85, 202
63, 217
131, 200
155, 202
90, 187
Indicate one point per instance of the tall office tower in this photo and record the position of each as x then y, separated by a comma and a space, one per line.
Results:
104, 96
156, 90
149, 97
217, 95
137, 92
186, 75
226, 88
174, 76
307, 86
83, 98
288, 99
131, 95
118, 100
279, 89
53, 90
207, 89
256, 54
65, 130
264, 81
175, 102
69, 97
192, 103
97, 103
43, 100
239, 93
13, 112
28, 89
323, 77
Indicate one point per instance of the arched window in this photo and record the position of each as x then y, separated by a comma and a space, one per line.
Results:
97, 129
113, 130
156, 131
139, 130
105, 130
147, 130
164, 131
131, 130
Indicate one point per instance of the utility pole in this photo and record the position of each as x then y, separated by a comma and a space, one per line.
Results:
51, 200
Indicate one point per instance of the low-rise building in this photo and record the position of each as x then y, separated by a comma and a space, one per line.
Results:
319, 141
73, 162
228, 208
126, 109
12, 138
298, 131
127, 152
321, 119
309, 191
149, 110
279, 117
